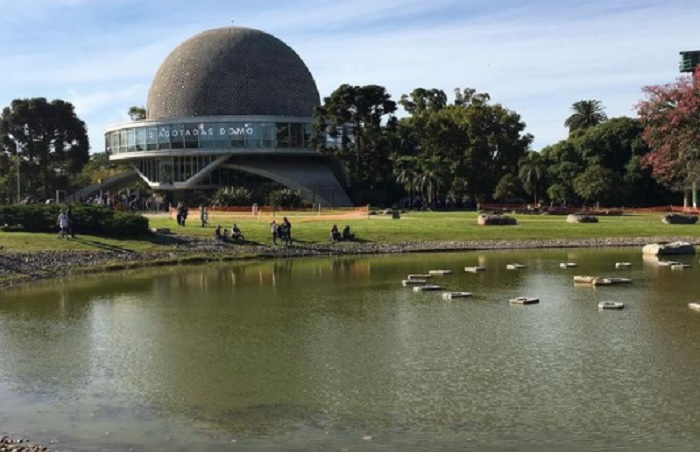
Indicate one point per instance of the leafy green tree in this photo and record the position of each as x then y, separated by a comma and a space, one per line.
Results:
432, 179
476, 142
285, 198
422, 99
612, 143
586, 113
137, 113
98, 167
406, 173
362, 119
563, 163
53, 143
232, 196
469, 96
509, 188
8, 179
597, 184
531, 171
618, 144
559, 192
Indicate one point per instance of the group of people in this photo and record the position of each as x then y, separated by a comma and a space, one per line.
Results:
223, 235
66, 223
278, 231
282, 231
346, 235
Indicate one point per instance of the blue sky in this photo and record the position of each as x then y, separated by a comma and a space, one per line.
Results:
535, 57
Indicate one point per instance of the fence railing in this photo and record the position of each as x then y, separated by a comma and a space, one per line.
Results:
255, 212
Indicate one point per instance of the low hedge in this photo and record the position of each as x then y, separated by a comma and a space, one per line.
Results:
87, 220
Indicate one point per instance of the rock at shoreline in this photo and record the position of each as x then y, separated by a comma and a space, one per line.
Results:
8, 444
665, 249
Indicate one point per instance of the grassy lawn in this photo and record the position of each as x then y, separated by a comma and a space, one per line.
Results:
448, 226
419, 226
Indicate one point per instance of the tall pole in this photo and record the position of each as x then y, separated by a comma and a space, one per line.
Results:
689, 62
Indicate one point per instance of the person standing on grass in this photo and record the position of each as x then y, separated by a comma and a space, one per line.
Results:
287, 231
274, 232
203, 215
62, 225
178, 217
71, 221
182, 210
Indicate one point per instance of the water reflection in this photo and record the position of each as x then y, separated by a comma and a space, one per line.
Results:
298, 348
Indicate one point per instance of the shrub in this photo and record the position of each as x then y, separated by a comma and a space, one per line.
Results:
88, 220
232, 196
285, 198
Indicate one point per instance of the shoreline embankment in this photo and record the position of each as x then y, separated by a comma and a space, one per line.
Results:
19, 267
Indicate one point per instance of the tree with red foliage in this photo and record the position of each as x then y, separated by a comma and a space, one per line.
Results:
671, 118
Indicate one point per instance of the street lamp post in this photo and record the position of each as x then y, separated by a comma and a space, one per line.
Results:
17, 147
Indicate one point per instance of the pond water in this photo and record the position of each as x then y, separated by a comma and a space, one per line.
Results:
335, 354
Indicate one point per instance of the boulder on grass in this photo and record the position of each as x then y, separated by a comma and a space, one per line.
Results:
665, 249
580, 218
675, 218
492, 220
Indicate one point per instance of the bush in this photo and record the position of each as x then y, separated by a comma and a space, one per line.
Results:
88, 220
232, 196
284, 198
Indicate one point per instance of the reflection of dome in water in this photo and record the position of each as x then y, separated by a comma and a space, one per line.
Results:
232, 71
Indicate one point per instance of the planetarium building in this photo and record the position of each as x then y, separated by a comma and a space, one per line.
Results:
229, 106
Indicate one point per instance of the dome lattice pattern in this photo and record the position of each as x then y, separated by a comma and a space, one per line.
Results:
232, 71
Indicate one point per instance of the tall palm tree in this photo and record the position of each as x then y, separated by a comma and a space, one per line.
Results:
432, 178
587, 113
531, 172
406, 173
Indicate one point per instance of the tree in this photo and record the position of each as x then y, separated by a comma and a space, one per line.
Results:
432, 179
422, 99
508, 189
98, 167
469, 96
53, 142
671, 118
362, 119
531, 172
563, 163
476, 142
618, 144
406, 173
587, 113
597, 184
137, 113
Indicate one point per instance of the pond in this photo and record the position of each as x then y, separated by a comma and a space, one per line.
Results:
336, 354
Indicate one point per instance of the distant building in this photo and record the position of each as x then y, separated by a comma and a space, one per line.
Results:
229, 105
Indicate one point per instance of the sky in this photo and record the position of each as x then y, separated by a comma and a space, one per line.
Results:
535, 57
